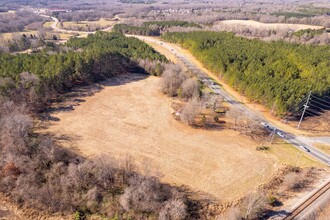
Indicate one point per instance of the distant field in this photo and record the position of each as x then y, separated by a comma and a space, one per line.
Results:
64, 36
48, 24
134, 118
8, 36
270, 26
103, 23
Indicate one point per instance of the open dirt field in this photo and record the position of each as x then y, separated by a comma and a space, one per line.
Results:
134, 118
270, 26
102, 23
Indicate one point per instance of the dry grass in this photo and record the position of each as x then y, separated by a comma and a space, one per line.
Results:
254, 106
103, 23
64, 36
323, 147
48, 24
135, 119
9, 36
270, 26
11, 211
289, 155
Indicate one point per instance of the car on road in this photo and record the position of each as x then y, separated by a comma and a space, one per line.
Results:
304, 148
264, 124
280, 133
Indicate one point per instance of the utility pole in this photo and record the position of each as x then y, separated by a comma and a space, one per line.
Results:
305, 107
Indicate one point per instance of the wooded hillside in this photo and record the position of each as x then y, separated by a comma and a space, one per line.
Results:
81, 60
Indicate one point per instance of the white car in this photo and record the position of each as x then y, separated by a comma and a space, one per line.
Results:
280, 133
264, 124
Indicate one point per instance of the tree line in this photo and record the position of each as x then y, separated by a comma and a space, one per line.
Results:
129, 29
276, 74
167, 24
91, 59
153, 28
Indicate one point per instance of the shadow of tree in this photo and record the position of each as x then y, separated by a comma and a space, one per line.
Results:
68, 101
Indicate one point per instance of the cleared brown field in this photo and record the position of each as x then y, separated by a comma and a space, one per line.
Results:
9, 36
102, 23
135, 119
270, 26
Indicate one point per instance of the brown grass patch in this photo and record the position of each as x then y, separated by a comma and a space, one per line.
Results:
135, 119
269, 26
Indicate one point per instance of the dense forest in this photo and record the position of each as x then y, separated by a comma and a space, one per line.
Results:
129, 29
276, 74
96, 57
167, 24
152, 28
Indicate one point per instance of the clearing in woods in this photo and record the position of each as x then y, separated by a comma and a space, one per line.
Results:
130, 116
270, 26
102, 23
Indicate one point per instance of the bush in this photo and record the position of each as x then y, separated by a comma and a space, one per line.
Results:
172, 79
190, 89
190, 111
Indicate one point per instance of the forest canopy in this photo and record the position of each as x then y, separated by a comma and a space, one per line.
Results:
276, 74
96, 57
152, 28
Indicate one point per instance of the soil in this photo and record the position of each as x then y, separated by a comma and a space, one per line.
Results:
130, 117
270, 26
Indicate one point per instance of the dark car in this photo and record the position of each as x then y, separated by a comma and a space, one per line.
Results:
305, 148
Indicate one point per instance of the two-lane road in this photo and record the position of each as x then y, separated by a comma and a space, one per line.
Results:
299, 142
296, 141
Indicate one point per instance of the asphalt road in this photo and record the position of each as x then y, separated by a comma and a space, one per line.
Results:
304, 144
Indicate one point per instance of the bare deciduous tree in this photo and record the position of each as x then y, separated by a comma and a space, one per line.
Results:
190, 111
172, 79
254, 205
189, 89
235, 115
174, 209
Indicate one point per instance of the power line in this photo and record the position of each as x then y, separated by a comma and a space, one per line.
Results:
299, 105
305, 107
315, 106
319, 103
313, 111
322, 100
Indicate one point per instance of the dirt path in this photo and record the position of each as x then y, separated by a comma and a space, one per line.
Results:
135, 119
